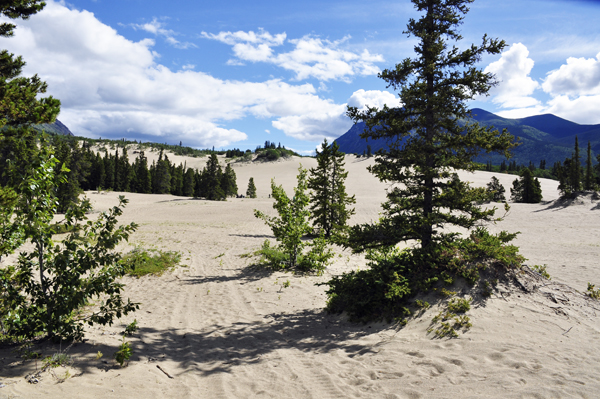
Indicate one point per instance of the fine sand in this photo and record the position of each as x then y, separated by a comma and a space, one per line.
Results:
216, 328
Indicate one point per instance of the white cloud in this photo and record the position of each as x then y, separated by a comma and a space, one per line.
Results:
579, 77
311, 57
512, 72
373, 98
157, 28
113, 87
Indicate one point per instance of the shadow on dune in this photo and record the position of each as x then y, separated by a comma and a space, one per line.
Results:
581, 199
253, 235
245, 275
214, 349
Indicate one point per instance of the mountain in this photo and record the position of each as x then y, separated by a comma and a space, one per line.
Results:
545, 137
53, 128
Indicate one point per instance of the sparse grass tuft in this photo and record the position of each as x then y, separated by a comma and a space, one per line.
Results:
141, 262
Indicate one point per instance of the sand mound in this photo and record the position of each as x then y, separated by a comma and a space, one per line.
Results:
219, 329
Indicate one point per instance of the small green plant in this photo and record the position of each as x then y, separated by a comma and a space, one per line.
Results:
422, 304
131, 328
446, 293
593, 292
542, 271
459, 305
218, 256
57, 360
124, 353
141, 262
99, 355
286, 284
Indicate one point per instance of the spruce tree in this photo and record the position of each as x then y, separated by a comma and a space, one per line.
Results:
189, 183
575, 169
212, 176
251, 190
161, 180
229, 182
589, 170
526, 189
427, 141
329, 201
496, 189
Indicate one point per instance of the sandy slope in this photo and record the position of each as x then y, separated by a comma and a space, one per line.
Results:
222, 330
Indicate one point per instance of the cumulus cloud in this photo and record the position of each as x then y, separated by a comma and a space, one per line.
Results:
158, 29
515, 85
311, 57
373, 98
578, 77
110, 86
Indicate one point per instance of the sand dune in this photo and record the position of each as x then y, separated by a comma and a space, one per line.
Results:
223, 330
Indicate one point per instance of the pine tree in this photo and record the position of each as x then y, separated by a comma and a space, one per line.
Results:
161, 180
229, 182
211, 179
589, 170
189, 183
143, 179
251, 190
427, 141
526, 189
575, 169
496, 189
329, 200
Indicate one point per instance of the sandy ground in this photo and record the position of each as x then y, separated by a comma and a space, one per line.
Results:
223, 330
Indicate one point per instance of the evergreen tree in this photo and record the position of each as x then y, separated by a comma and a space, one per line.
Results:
496, 189
329, 201
251, 190
189, 183
161, 180
229, 182
211, 179
177, 180
575, 169
143, 179
526, 189
109, 170
589, 170
427, 141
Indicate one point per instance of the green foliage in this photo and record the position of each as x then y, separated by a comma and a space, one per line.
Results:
542, 271
124, 353
329, 200
229, 182
526, 189
459, 305
496, 190
131, 328
59, 359
592, 291
289, 227
394, 277
251, 190
82, 267
141, 262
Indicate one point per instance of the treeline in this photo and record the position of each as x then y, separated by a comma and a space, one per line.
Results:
108, 170
561, 171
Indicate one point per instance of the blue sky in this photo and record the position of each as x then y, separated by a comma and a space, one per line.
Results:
236, 73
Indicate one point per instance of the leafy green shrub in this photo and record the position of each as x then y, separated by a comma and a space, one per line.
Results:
394, 277
124, 353
45, 292
592, 292
131, 328
542, 271
317, 258
272, 256
141, 262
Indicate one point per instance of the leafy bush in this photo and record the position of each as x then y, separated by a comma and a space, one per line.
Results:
289, 227
124, 353
141, 262
46, 291
593, 292
394, 277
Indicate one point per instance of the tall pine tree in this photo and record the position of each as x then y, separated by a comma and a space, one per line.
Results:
251, 190
329, 201
427, 141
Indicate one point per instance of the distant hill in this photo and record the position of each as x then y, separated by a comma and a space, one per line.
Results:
542, 137
53, 128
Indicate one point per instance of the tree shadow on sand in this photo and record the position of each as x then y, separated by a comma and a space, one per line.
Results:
213, 349
580, 199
